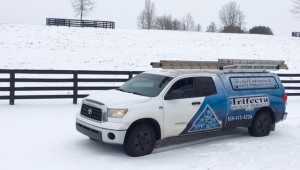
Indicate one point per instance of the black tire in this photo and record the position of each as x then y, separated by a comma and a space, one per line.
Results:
261, 125
140, 141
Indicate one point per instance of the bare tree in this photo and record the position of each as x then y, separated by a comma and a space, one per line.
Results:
296, 9
212, 27
159, 23
83, 7
146, 19
188, 23
141, 20
231, 15
176, 24
198, 28
241, 19
164, 22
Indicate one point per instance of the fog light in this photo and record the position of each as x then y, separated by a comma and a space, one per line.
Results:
111, 136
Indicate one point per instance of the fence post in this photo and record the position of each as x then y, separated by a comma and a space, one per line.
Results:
12, 88
75, 87
130, 75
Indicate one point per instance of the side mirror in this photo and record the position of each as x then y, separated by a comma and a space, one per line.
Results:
175, 94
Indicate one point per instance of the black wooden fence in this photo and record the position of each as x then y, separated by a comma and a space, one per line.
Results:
12, 77
295, 83
79, 23
296, 34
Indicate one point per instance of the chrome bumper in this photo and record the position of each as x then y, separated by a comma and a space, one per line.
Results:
100, 134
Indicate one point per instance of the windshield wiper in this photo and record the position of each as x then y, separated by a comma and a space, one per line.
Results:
136, 93
129, 92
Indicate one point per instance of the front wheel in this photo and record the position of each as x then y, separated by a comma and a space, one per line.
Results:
261, 125
140, 141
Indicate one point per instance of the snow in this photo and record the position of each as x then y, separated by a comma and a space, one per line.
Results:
41, 134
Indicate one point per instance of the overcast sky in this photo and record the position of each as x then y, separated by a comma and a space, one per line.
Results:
273, 13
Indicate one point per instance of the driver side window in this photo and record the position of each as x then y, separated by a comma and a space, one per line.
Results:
185, 86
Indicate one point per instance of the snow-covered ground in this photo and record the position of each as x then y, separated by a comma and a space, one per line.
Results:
41, 134
42, 47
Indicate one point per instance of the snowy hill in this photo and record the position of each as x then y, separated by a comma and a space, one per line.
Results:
41, 134
25, 46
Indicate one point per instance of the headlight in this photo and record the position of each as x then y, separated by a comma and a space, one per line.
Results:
116, 113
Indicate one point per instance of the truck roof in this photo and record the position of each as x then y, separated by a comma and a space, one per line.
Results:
179, 72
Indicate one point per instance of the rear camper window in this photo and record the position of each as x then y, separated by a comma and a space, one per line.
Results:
250, 83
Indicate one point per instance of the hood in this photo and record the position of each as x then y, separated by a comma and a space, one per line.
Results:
117, 99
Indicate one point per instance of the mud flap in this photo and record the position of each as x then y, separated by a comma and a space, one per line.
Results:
273, 127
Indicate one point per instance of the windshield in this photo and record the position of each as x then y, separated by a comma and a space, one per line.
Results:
146, 84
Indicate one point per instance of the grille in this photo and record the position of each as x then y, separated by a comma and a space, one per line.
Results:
91, 112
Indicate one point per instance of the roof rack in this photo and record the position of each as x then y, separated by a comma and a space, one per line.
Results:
222, 64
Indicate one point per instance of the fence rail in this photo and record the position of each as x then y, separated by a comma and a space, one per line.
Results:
13, 77
79, 23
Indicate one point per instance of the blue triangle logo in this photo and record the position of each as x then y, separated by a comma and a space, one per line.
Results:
206, 121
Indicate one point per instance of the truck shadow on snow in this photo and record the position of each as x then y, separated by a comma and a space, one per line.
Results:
191, 140
169, 144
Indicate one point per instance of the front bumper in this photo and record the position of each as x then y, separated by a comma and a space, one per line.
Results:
101, 134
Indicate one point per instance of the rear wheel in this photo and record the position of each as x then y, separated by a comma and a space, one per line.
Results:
261, 125
140, 141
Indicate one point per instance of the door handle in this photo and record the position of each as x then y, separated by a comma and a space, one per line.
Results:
196, 103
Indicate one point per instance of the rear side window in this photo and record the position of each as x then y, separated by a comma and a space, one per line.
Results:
205, 86
253, 83
195, 87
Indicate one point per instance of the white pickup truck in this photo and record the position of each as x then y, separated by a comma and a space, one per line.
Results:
156, 105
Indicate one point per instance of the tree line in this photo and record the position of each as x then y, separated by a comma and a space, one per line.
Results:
231, 17
147, 19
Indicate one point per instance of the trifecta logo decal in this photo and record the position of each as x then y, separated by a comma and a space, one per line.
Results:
206, 121
249, 102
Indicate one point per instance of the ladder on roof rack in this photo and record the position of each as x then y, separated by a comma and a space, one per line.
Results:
222, 64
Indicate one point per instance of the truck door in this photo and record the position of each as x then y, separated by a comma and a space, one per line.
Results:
198, 104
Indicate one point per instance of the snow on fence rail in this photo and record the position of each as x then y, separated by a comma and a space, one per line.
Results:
79, 23
11, 77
